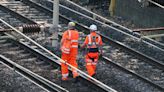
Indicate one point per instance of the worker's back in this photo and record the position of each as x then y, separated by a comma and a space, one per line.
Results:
74, 42
74, 34
93, 40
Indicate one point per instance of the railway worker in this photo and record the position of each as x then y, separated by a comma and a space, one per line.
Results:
69, 48
93, 42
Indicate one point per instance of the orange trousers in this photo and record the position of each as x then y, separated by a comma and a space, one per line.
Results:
91, 62
71, 59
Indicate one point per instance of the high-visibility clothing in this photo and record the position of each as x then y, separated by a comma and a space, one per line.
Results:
70, 40
71, 57
93, 41
91, 62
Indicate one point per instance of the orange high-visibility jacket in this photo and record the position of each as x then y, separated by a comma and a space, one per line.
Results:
69, 40
93, 40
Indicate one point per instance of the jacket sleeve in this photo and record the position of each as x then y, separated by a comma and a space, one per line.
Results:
63, 38
101, 43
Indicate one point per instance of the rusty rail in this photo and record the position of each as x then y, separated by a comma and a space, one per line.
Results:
148, 29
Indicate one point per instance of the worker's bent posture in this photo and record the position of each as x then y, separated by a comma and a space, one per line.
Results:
69, 48
93, 42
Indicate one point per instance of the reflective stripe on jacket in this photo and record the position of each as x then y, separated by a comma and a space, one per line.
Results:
95, 43
70, 40
74, 38
93, 40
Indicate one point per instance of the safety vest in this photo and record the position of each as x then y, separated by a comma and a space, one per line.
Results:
71, 41
93, 43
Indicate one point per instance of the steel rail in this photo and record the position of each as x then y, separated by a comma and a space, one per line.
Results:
121, 44
160, 65
23, 75
102, 24
140, 37
40, 81
155, 62
106, 59
85, 15
131, 72
154, 36
149, 29
98, 83
157, 4
81, 73
21, 17
150, 59
116, 24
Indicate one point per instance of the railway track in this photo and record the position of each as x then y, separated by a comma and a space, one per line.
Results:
141, 64
43, 85
30, 62
108, 47
38, 63
127, 37
15, 82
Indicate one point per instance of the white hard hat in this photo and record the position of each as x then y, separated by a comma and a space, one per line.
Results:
71, 25
93, 27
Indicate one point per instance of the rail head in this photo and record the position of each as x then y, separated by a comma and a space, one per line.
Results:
114, 23
157, 4
131, 72
148, 29
143, 38
81, 73
13, 65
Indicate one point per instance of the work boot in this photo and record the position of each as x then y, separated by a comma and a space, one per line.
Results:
64, 79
